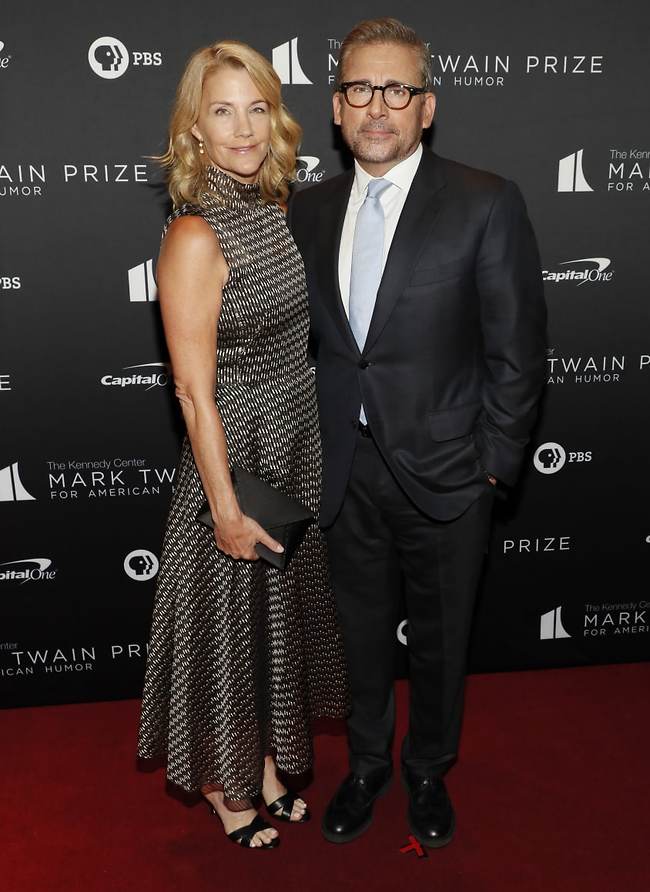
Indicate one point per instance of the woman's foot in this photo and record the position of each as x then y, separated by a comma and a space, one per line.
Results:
236, 820
273, 789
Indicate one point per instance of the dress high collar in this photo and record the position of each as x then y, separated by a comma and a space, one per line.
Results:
231, 191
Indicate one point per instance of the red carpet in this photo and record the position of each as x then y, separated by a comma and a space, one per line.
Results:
551, 794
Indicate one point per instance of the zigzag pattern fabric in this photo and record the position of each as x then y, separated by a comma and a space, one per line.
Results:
244, 656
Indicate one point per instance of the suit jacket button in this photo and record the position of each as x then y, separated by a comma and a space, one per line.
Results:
363, 364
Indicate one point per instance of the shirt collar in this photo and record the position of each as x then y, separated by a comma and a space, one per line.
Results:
401, 175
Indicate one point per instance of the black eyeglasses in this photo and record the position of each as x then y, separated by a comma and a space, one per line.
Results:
358, 94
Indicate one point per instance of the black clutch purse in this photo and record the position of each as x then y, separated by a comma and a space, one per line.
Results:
283, 518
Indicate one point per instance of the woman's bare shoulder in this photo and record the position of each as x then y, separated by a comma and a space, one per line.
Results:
191, 231
190, 251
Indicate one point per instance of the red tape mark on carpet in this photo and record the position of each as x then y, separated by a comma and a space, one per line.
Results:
413, 846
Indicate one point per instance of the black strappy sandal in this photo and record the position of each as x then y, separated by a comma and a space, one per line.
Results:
243, 836
282, 809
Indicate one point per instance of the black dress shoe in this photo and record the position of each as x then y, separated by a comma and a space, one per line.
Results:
430, 812
349, 813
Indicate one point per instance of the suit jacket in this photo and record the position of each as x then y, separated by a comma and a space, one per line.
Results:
454, 362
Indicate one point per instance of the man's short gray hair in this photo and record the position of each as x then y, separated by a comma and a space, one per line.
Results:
386, 30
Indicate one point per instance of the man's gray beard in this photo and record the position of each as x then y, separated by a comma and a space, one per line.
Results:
394, 156
374, 154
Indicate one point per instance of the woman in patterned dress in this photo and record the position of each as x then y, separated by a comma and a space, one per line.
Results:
243, 656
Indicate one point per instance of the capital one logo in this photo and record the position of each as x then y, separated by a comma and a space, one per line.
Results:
11, 486
570, 175
306, 172
151, 377
140, 564
4, 60
597, 269
550, 625
28, 570
108, 57
549, 458
287, 64
142, 285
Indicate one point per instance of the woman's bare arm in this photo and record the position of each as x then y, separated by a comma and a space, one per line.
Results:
191, 273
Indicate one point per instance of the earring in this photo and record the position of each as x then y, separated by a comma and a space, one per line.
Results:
201, 150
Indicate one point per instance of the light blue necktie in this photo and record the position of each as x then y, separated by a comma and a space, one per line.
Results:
367, 262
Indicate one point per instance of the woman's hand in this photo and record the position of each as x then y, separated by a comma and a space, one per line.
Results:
237, 536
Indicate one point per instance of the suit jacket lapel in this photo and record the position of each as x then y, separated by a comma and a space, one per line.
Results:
330, 226
413, 230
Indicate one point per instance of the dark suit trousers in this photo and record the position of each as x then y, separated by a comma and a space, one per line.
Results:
380, 545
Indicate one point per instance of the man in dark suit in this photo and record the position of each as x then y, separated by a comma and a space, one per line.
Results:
428, 325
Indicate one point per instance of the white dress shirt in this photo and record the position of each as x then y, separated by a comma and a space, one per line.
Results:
392, 202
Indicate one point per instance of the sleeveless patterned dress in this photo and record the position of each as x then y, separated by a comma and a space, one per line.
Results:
244, 656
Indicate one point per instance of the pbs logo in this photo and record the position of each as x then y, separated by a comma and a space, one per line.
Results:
550, 458
109, 58
140, 565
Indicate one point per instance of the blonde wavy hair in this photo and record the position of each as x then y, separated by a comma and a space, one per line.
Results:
186, 179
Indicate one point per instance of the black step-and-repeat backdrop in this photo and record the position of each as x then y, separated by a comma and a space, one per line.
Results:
554, 97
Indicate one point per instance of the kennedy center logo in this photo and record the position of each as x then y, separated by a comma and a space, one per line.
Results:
550, 625
570, 175
287, 64
142, 285
11, 487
